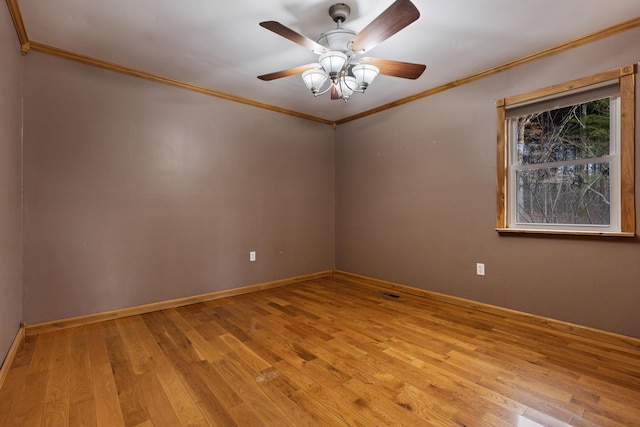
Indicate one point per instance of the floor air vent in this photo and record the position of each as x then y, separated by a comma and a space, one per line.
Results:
388, 295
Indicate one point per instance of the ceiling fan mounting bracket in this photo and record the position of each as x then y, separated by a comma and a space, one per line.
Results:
339, 12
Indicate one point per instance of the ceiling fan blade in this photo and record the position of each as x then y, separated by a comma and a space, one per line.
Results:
405, 70
288, 72
288, 33
393, 19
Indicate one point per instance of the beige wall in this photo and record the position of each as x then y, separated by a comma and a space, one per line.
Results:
415, 204
137, 192
10, 182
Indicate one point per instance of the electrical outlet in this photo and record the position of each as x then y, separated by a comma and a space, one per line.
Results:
480, 269
252, 256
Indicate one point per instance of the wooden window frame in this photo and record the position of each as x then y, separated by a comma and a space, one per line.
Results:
626, 79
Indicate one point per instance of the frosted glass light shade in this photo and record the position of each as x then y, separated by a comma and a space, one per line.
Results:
333, 62
345, 86
364, 74
314, 79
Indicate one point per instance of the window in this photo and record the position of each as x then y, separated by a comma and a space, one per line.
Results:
566, 158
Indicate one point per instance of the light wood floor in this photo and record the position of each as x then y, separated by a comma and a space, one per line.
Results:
320, 353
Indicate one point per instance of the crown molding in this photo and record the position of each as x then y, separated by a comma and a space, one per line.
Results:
27, 45
16, 16
580, 41
50, 50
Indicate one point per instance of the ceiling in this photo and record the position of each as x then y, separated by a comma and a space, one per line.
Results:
219, 45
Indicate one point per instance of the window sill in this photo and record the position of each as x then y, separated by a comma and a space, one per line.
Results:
564, 232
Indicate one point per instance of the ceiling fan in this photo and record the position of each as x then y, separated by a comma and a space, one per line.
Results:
340, 52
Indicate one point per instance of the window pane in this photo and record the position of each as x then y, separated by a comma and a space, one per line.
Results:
577, 194
579, 131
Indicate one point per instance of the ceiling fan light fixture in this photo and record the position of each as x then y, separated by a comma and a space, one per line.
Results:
365, 74
339, 49
314, 80
345, 86
332, 62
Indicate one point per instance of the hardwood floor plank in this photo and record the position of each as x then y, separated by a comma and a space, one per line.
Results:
130, 392
107, 403
214, 412
216, 385
617, 411
41, 359
184, 407
304, 408
495, 421
343, 404
318, 411
243, 415
387, 412
557, 409
141, 343
57, 395
206, 344
322, 352
206, 395
27, 350
29, 407
157, 403
81, 380
83, 413
226, 319
131, 333
14, 384
244, 353
268, 410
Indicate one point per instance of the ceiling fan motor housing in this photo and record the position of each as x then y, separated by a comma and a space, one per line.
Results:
337, 39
